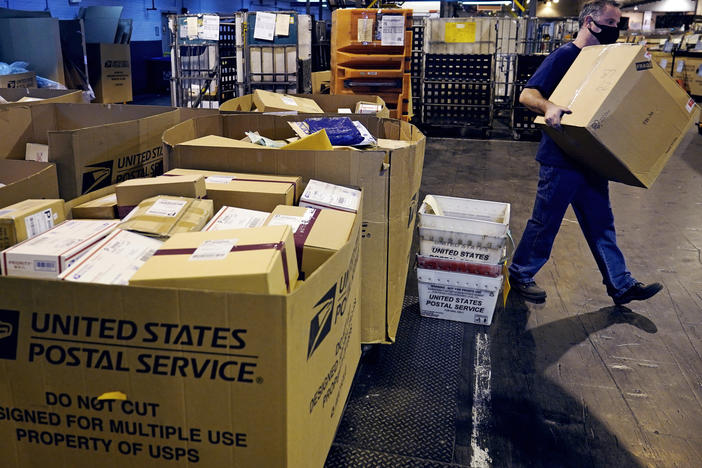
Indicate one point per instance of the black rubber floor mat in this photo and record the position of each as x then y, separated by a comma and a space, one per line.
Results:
404, 398
343, 456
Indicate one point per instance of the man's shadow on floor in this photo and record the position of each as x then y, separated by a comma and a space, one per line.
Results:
536, 422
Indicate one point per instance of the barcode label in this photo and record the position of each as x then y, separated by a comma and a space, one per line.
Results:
44, 265
215, 249
288, 100
166, 207
38, 222
219, 179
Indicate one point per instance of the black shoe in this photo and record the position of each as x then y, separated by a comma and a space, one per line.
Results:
529, 291
638, 292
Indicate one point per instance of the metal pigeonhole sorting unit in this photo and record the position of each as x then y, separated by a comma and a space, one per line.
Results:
459, 69
206, 60
522, 121
417, 67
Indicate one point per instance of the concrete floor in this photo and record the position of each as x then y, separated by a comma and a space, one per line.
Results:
572, 382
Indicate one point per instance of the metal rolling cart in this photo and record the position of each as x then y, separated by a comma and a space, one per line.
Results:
205, 59
321, 46
417, 67
458, 75
271, 65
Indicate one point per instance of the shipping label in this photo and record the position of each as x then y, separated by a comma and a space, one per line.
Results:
39, 222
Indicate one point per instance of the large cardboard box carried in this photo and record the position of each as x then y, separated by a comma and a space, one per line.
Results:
92, 145
20, 180
33, 96
628, 116
110, 72
390, 179
19, 80
250, 380
330, 104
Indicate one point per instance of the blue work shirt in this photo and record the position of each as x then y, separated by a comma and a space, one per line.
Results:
545, 80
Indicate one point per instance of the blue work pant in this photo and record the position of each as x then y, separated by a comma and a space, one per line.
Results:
589, 196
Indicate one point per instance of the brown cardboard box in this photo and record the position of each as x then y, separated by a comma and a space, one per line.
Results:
20, 180
321, 80
628, 115
266, 101
132, 192
318, 234
92, 145
261, 380
163, 216
390, 180
51, 252
663, 59
250, 191
91, 208
688, 69
104, 207
257, 260
19, 80
110, 72
330, 104
28, 219
33, 96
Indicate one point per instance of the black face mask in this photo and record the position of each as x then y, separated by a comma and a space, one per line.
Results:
607, 35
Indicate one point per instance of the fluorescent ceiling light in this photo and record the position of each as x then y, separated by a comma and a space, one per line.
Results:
503, 2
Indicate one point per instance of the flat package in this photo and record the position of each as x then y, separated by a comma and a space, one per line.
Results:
318, 233
628, 116
164, 216
390, 179
320, 194
50, 253
230, 217
251, 380
113, 260
258, 192
28, 219
257, 260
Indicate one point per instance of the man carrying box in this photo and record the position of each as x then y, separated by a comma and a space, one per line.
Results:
563, 181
